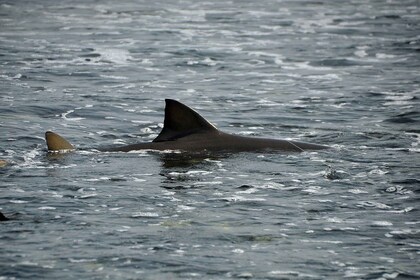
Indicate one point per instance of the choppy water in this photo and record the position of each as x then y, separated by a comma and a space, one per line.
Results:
341, 73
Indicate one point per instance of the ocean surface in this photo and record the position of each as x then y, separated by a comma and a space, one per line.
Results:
339, 73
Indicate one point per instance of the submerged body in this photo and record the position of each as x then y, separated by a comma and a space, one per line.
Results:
221, 142
185, 130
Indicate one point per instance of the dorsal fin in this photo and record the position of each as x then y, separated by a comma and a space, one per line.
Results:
181, 120
3, 218
56, 143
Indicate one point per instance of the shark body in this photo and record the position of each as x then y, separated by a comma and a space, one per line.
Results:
187, 131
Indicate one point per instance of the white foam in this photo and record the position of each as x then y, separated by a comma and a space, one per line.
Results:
360, 53
64, 116
384, 56
46, 208
382, 223
114, 77
117, 56
144, 215
18, 201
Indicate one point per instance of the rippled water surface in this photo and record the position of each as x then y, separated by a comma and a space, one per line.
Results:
338, 73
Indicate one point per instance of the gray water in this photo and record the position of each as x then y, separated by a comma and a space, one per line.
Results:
338, 73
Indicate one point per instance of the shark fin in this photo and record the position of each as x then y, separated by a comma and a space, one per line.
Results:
181, 120
3, 218
56, 143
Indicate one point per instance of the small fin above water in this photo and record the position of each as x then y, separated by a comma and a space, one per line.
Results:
3, 218
56, 143
181, 120
3, 162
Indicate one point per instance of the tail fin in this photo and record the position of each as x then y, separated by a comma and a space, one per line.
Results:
56, 143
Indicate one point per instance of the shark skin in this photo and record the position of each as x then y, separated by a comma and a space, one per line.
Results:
187, 131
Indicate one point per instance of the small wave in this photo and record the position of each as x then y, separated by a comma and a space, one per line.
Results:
372, 204
18, 201
382, 223
82, 260
306, 66
238, 198
65, 116
408, 117
343, 62
114, 77
46, 208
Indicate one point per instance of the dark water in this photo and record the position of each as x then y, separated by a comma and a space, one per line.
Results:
340, 73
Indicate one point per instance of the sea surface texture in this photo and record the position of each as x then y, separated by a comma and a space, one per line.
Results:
340, 73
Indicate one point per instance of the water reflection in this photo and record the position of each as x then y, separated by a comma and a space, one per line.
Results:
188, 160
